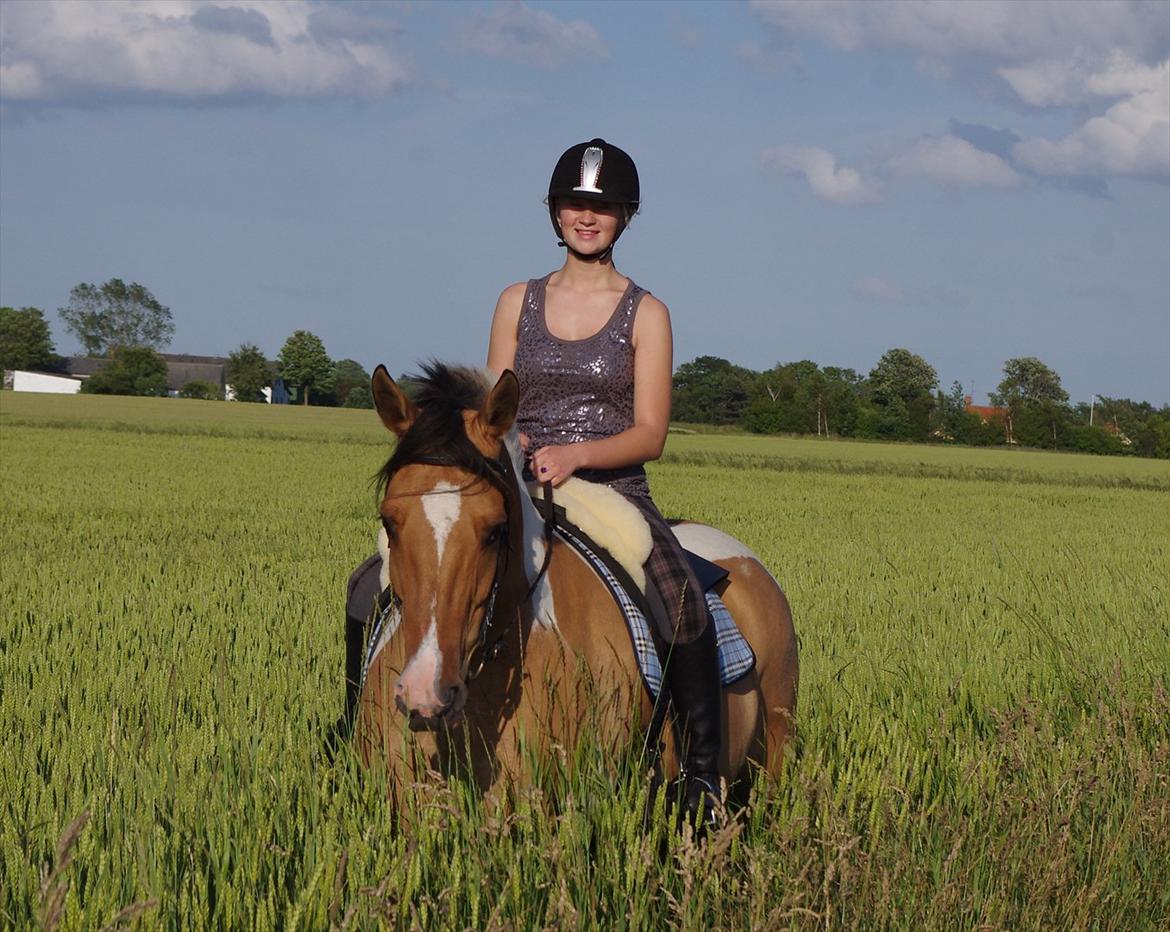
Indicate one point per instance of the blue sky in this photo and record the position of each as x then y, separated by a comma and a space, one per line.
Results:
973, 181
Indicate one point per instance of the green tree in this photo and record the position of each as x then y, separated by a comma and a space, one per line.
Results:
348, 375
902, 374
305, 364
115, 314
133, 370
1036, 401
901, 385
360, 396
1160, 426
25, 340
710, 390
788, 398
1026, 379
201, 389
842, 400
248, 373
889, 421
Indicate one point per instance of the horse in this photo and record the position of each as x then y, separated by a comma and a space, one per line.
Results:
506, 645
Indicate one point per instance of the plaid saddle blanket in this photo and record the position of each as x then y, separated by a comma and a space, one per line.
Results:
735, 654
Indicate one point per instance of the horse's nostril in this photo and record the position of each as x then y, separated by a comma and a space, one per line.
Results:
450, 696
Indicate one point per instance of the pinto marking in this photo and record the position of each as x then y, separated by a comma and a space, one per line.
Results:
442, 510
417, 687
532, 550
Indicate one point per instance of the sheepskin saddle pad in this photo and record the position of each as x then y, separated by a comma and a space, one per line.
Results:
613, 537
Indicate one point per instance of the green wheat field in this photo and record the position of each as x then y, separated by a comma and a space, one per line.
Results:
983, 723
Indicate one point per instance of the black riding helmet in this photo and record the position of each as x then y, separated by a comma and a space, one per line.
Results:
594, 171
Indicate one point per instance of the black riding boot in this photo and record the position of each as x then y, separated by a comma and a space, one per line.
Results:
692, 676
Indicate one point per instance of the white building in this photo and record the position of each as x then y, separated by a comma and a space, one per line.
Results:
43, 382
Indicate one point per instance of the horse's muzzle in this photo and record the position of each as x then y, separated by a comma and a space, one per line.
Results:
439, 716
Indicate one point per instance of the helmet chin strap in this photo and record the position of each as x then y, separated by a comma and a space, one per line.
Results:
588, 257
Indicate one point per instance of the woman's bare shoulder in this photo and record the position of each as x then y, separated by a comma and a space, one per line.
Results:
653, 311
648, 300
510, 300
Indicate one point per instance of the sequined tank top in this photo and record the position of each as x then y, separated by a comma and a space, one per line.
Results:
576, 390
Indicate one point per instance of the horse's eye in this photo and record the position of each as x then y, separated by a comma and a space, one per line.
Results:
496, 534
388, 525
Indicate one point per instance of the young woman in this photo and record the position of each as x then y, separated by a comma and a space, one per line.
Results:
593, 354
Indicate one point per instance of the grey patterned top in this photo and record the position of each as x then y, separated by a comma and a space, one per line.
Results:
576, 390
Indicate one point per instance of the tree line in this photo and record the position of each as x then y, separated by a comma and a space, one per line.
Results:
901, 399
126, 325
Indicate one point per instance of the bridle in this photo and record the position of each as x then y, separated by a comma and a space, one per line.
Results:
486, 654
508, 485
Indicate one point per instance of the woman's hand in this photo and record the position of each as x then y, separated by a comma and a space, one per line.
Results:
556, 464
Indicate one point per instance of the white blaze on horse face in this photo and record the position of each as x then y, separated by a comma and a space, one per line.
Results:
417, 687
442, 506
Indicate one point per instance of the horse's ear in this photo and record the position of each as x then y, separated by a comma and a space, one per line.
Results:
394, 408
499, 408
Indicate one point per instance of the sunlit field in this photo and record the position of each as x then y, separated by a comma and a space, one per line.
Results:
982, 722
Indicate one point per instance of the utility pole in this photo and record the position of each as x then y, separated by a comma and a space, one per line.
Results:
1092, 402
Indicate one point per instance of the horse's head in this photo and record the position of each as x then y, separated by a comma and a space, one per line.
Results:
450, 514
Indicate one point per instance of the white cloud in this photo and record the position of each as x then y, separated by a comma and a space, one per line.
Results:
1108, 57
829, 181
949, 160
519, 33
878, 289
1004, 30
1047, 83
60, 51
1132, 137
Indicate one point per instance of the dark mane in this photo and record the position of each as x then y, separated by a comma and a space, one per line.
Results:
442, 393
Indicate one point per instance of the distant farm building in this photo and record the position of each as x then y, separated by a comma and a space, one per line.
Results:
182, 369
46, 382
991, 414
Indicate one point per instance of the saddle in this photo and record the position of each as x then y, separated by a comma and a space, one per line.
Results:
601, 516
589, 512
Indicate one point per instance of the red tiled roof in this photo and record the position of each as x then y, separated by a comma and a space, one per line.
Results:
987, 412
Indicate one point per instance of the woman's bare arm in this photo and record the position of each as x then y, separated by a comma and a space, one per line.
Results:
502, 343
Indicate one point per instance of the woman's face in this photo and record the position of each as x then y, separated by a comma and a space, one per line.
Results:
588, 226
